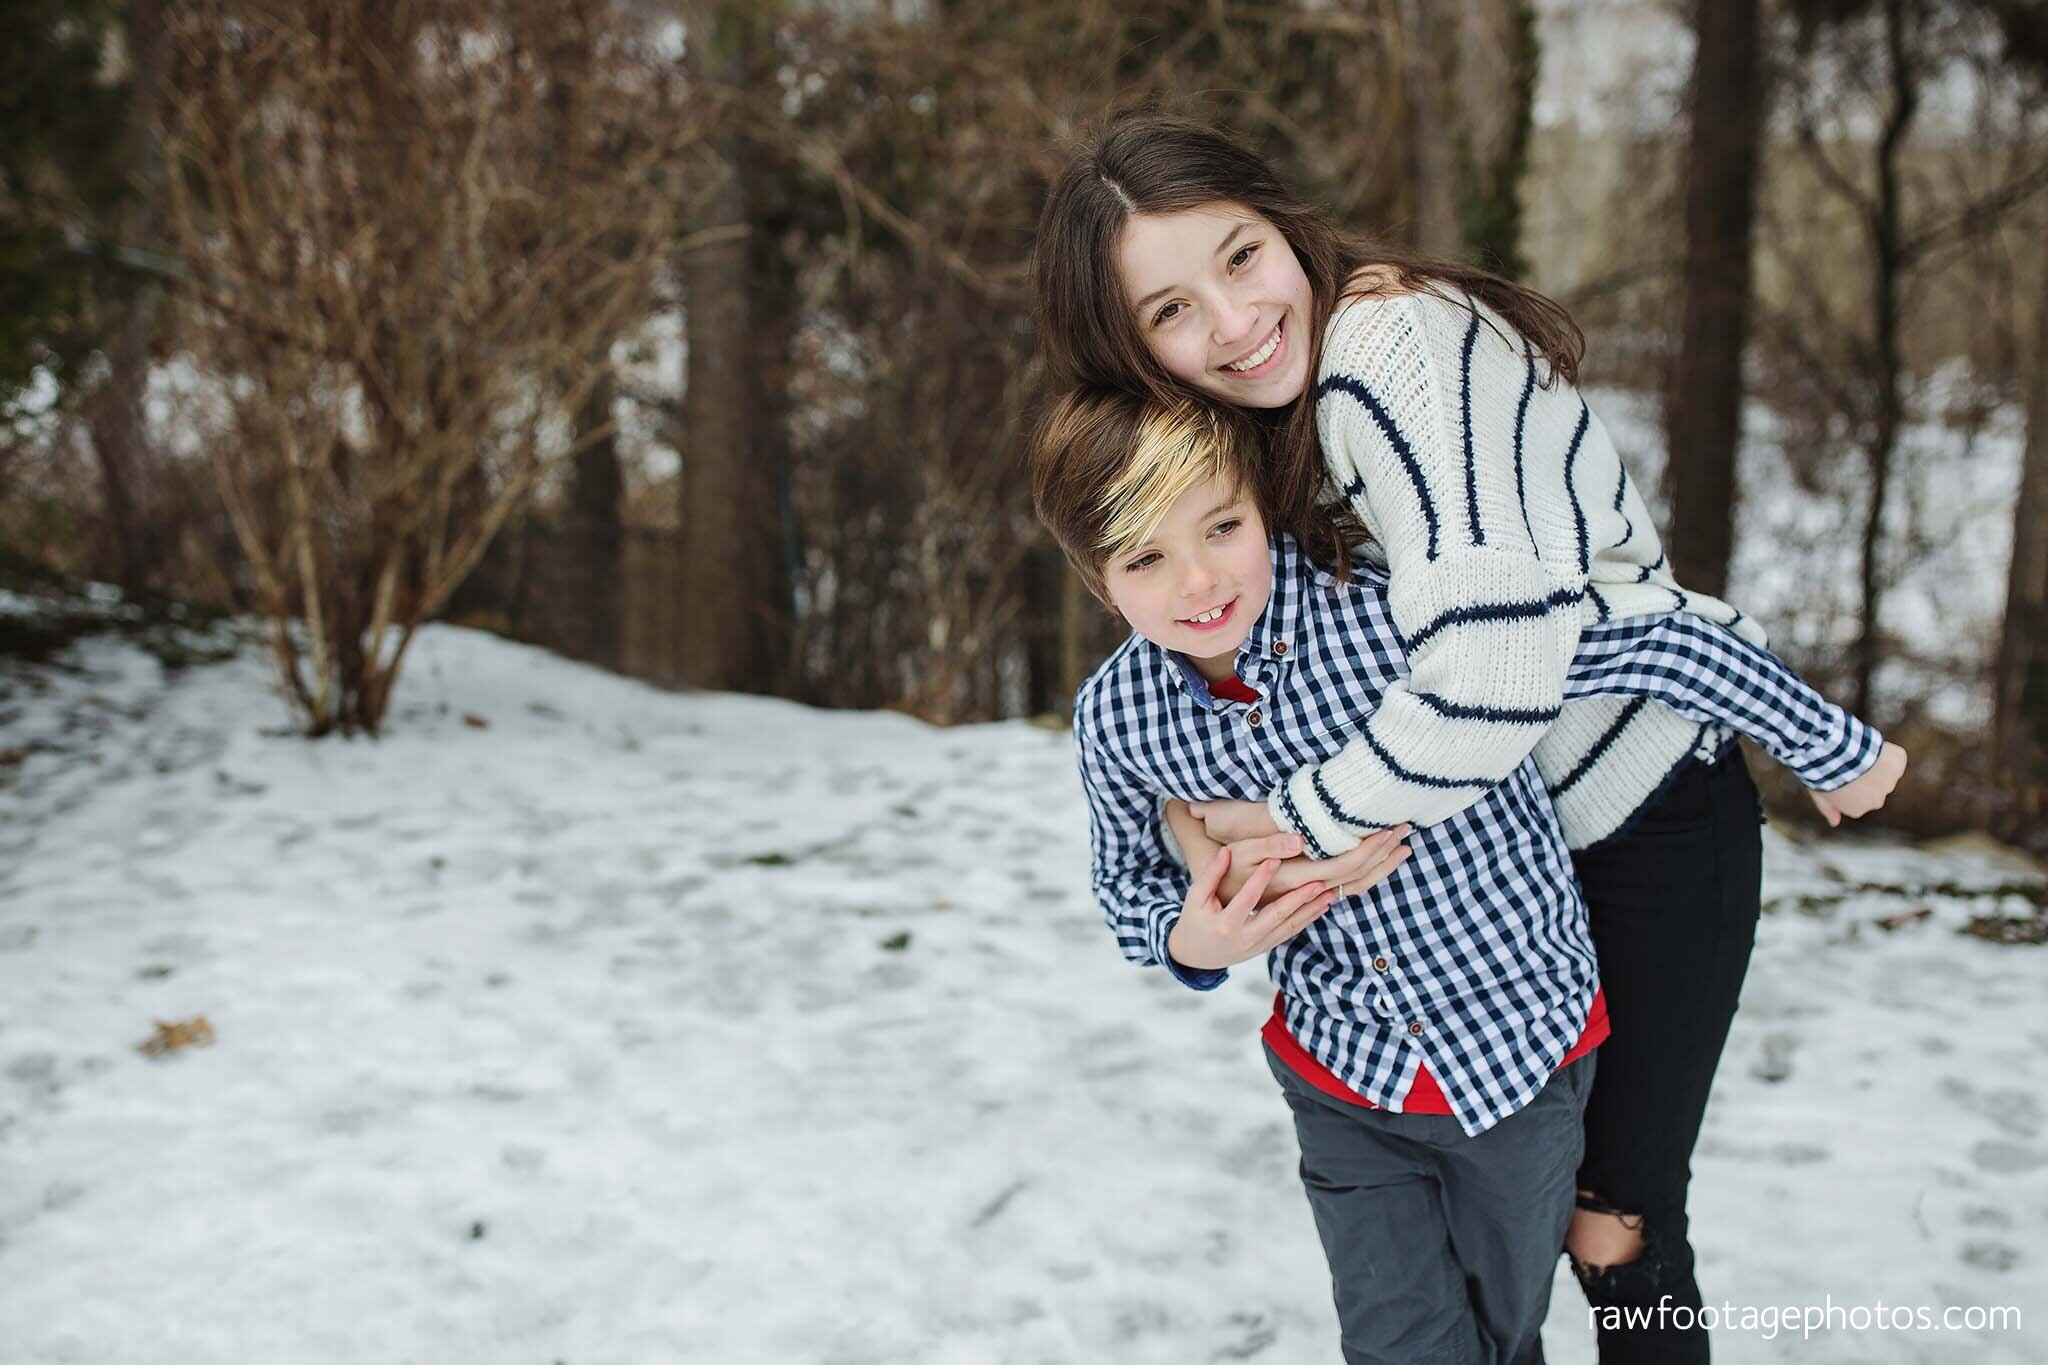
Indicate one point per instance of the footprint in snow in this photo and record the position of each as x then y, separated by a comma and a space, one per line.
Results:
2006, 1158
1990, 1256
1774, 1059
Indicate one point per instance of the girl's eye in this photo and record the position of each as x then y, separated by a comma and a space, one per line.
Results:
1224, 528
1141, 563
1165, 314
1243, 254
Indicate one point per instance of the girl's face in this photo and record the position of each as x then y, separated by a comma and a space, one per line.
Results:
1221, 301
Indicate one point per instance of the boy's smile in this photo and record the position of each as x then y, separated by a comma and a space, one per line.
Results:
1200, 580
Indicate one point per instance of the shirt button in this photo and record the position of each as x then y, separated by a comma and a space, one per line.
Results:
1255, 718
1379, 964
1415, 1028
1279, 646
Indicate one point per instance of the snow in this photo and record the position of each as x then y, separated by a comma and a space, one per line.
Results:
634, 1026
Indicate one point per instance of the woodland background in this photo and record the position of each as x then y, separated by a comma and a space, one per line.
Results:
691, 339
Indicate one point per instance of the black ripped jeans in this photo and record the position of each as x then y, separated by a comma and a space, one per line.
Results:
1674, 903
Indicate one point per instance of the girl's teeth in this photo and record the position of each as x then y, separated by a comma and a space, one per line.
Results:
1260, 356
1206, 616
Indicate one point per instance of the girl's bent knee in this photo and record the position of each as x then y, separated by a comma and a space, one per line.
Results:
1600, 1239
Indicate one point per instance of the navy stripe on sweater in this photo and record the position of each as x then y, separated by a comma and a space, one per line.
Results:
1628, 713
1471, 464
1521, 419
1542, 715
1344, 383
1578, 512
1497, 611
1621, 491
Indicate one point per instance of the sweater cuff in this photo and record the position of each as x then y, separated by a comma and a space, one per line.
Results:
1847, 750
1195, 978
1297, 806
1282, 808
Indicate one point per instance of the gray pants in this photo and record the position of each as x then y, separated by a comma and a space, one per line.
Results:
1441, 1246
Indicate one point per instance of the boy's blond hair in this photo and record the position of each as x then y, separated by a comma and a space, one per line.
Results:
1107, 465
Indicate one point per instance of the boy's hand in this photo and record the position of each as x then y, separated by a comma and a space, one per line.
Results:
1211, 935
1230, 821
1864, 795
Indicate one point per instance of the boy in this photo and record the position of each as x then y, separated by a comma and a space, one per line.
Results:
1467, 973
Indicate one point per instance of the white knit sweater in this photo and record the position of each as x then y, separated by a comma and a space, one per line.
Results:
1507, 520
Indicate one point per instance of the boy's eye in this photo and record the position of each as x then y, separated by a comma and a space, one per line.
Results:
1243, 254
1224, 528
1165, 314
1141, 563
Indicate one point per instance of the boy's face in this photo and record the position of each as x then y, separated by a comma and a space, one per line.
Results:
1200, 580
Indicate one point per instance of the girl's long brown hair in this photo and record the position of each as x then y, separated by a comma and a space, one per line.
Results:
1148, 162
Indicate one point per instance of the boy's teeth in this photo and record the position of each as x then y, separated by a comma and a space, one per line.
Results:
1207, 616
1260, 356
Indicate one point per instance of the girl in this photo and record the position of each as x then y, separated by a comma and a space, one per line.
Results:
1171, 261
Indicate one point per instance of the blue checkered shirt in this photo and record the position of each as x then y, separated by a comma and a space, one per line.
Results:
1474, 955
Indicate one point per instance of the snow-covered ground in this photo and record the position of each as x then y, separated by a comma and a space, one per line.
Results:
636, 1027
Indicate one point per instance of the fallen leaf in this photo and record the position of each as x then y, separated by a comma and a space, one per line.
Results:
474, 721
1903, 918
170, 1037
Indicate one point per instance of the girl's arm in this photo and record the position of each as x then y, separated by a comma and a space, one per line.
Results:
1489, 620
1481, 486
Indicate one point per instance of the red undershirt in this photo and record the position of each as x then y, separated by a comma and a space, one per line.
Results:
1424, 1095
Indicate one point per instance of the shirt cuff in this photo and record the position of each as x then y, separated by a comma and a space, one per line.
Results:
1849, 750
1195, 978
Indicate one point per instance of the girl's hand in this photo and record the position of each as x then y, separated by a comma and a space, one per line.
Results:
1211, 935
1867, 793
1230, 821
1352, 872
1358, 870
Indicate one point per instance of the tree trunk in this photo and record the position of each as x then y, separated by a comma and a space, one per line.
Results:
137, 540
596, 534
1703, 398
1886, 265
735, 622
1497, 59
1468, 74
2020, 685
1429, 33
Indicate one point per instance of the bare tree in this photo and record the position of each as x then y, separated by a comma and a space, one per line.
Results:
735, 632
403, 272
132, 487
2020, 686
1856, 101
1703, 402
1468, 76
2020, 680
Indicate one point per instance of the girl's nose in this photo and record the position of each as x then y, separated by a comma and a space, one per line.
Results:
1234, 322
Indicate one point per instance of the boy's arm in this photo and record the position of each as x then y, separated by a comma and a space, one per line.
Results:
1708, 673
1141, 890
